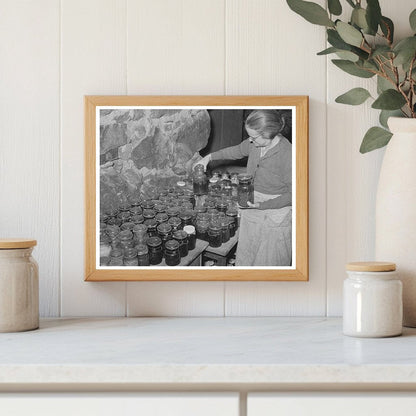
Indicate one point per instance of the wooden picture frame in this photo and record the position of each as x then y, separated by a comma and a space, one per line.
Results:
98, 109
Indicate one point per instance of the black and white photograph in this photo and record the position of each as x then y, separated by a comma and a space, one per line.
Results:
195, 187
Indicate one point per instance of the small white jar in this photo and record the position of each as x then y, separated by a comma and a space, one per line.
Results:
372, 300
19, 286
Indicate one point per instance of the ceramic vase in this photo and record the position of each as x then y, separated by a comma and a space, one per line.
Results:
396, 210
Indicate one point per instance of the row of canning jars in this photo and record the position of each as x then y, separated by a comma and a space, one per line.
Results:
212, 225
237, 186
142, 248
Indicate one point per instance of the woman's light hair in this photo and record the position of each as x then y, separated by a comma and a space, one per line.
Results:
268, 123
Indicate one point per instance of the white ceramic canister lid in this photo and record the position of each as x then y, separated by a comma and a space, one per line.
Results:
372, 296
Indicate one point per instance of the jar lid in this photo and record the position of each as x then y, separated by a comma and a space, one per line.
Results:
371, 266
161, 217
174, 221
148, 204
215, 226
180, 234
140, 228
189, 229
125, 235
244, 177
16, 243
171, 245
151, 222
154, 241
164, 228
148, 213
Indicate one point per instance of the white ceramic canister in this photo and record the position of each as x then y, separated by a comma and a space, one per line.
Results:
372, 300
19, 286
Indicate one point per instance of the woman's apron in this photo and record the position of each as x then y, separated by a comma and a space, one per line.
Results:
265, 236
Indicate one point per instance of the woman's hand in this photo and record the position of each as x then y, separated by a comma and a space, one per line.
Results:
253, 205
204, 161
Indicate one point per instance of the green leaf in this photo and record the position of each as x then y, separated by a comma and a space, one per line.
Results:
412, 20
386, 114
356, 96
389, 100
335, 40
352, 68
358, 18
375, 138
373, 15
349, 34
311, 12
348, 56
327, 51
383, 84
334, 7
405, 50
387, 27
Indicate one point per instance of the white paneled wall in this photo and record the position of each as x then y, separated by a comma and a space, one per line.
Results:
29, 138
55, 52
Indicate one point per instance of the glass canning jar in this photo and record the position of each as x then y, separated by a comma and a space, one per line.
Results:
175, 223
148, 214
161, 217
137, 219
126, 239
155, 250
186, 217
127, 226
172, 254
136, 210
130, 257
159, 207
140, 234
116, 257
214, 235
191, 232
148, 204
151, 224
182, 238
233, 214
142, 255
245, 190
164, 231
200, 181
202, 229
225, 229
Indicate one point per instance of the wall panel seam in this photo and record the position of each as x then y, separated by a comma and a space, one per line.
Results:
60, 163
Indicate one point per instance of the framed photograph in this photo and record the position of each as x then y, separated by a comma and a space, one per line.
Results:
196, 188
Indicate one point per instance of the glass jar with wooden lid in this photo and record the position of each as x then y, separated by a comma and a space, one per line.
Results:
372, 300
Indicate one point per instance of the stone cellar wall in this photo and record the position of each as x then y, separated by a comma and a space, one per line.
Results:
141, 149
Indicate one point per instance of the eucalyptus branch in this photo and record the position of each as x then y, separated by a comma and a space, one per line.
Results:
412, 83
361, 34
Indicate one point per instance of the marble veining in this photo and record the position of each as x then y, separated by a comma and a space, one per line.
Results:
203, 350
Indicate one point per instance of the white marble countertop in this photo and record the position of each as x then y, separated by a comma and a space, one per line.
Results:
183, 352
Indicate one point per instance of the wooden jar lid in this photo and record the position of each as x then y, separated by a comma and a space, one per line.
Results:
11, 243
371, 266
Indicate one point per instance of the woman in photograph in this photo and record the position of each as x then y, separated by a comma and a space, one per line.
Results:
265, 237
